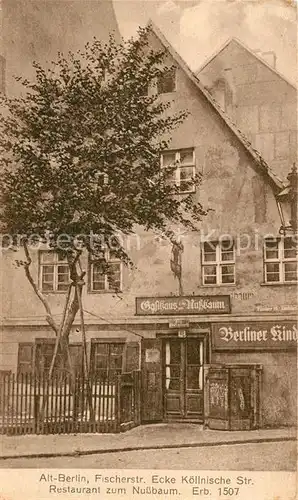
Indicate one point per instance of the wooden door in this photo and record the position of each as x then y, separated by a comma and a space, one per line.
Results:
152, 410
183, 361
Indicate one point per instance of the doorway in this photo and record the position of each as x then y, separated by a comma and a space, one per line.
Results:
183, 378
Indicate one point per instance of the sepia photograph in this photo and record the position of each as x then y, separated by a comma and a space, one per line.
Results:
148, 223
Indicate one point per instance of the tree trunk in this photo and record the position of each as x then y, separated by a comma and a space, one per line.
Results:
61, 361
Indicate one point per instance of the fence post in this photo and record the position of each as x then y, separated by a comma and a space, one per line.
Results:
118, 403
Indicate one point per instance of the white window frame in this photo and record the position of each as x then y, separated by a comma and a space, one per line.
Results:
281, 260
110, 343
218, 263
107, 288
55, 263
179, 166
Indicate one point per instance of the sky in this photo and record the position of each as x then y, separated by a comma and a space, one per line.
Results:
198, 28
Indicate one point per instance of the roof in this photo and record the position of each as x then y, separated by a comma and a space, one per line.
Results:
261, 164
241, 44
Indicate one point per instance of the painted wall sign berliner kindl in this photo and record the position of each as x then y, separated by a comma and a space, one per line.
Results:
255, 335
193, 304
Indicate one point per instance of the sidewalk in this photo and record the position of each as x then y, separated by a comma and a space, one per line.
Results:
155, 436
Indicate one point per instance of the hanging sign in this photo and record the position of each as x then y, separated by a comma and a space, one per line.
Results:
193, 304
255, 335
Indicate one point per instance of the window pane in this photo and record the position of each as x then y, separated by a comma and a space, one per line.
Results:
102, 348
271, 249
173, 353
291, 271
48, 287
113, 255
272, 272
62, 287
227, 256
101, 362
228, 278
227, 245
99, 278
227, 274
173, 371
227, 250
98, 285
116, 349
290, 248
48, 270
115, 362
166, 82
168, 159
186, 173
209, 252
210, 280
187, 157
48, 278
210, 270
114, 267
63, 275
47, 257
61, 258
186, 178
98, 272
193, 352
193, 377
173, 384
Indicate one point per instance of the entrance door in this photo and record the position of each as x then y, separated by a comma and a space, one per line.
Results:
183, 361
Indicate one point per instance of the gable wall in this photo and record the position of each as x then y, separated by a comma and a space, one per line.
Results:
260, 102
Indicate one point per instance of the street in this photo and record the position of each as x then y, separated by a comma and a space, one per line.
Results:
253, 456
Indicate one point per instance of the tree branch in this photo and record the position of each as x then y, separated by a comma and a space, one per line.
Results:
49, 315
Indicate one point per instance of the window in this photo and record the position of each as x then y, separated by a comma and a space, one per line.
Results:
106, 359
103, 280
36, 358
218, 263
184, 174
54, 272
166, 82
280, 259
44, 351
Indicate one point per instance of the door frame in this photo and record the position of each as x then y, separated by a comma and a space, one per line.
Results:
201, 335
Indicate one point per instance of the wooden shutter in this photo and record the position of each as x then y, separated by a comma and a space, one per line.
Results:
25, 358
152, 408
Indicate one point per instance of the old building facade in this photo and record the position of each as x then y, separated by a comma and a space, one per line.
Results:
260, 100
238, 275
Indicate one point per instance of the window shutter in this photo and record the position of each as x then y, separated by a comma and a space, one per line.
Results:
25, 358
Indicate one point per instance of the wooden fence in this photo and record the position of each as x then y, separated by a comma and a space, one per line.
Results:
31, 405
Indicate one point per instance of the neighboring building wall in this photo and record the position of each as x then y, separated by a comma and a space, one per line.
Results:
35, 30
259, 100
